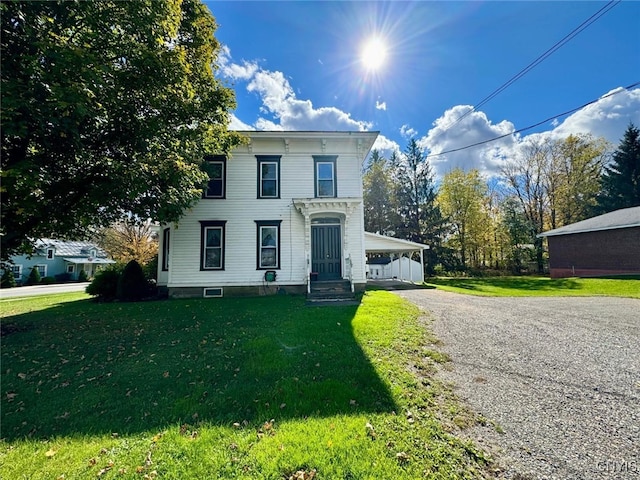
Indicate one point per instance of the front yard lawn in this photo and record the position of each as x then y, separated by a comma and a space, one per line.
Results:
540, 286
228, 388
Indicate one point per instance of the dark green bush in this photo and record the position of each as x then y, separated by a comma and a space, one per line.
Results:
132, 285
8, 280
105, 284
63, 277
151, 269
47, 281
34, 277
82, 276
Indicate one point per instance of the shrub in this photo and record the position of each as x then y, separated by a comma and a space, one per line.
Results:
34, 277
132, 285
8, 280
151, 269
63, 277
47, 281
82, 276
105, 284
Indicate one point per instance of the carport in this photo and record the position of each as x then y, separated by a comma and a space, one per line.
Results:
395, 248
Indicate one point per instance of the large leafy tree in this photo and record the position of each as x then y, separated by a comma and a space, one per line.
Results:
572, 177
621, 178
462, 198
107, 108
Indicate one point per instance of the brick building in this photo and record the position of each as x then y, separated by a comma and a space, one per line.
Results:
608, 244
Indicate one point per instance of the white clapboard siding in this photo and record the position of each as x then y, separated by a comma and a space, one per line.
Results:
241, 209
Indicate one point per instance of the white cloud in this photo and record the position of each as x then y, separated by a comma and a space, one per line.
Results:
608, 117
235, 71
450, 133
281, 109
237, 124
407, 132
381, 105
385, 146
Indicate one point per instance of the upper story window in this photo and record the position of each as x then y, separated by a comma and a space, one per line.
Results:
212, 245
50, 253
268, 176
216, 166
325, 175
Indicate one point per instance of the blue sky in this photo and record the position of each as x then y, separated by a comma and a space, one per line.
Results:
298, 66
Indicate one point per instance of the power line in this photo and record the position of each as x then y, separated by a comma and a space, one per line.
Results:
602, 11
568, 112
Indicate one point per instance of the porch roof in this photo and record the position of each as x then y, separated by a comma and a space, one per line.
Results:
375, 243
84, 260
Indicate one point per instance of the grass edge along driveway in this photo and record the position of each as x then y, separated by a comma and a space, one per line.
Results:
227, 388
530, 286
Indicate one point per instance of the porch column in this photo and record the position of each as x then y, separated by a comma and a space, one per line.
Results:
421, 266
307, 248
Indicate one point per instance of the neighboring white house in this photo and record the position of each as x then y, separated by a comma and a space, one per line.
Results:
61, 259
283, 211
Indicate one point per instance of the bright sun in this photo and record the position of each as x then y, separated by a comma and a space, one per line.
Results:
373, 54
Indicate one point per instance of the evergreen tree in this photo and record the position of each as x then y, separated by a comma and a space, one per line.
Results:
416, 216
620, 185
377, 195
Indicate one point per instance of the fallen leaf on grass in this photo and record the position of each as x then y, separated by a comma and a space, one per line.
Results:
50, 453
402, 457
303, 475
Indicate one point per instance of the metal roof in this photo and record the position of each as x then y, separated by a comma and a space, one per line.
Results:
65, 248
624, 218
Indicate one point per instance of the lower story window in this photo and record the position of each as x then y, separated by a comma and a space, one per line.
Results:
268, 243
71, 268
212, 245
42, 270
17, 271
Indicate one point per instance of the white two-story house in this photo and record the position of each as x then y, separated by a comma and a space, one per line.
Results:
282, 212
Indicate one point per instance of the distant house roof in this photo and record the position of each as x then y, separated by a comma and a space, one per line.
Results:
65, 248
375, 243
624, 218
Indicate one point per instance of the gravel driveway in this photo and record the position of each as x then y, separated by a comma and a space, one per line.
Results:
560, 377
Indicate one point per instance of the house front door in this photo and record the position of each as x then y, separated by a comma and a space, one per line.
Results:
326, 251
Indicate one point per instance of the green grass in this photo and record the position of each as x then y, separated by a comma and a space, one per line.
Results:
540, 286
258, 388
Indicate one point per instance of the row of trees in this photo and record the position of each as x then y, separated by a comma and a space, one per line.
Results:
471, 223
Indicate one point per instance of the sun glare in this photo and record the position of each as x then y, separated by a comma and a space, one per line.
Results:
373, 54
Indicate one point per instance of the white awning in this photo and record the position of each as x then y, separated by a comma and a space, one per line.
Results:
375, 243
85, 260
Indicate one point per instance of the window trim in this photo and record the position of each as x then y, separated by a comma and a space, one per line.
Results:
268, 159
204, 225
259, 225
19, 272
323, 159
221, 159
166, 238
71, 268
51, 253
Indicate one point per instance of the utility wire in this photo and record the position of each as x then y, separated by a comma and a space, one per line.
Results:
540, 59
534, 125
